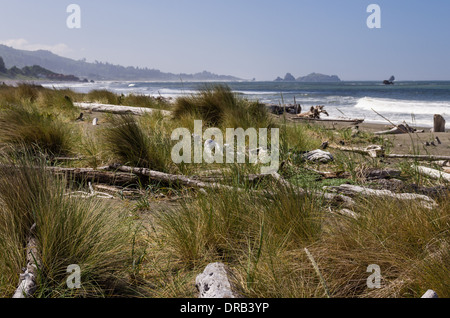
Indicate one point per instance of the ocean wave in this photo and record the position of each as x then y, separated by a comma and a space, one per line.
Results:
393, 106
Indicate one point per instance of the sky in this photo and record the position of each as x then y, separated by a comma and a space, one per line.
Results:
259, 39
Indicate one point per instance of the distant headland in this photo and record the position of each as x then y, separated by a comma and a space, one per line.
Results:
99, 71
311, 78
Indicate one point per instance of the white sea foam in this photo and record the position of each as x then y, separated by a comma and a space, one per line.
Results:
415, 107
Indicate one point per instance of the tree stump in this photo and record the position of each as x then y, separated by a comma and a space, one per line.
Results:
439, 123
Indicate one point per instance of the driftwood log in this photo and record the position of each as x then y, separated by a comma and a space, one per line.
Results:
354, 121
433, 173
352, 190
419, 157
332, 198
376, 174
313, 113
399, 129
430, 294
28, 283
97, 176
118, 109
369, 174
214, 282
372, 150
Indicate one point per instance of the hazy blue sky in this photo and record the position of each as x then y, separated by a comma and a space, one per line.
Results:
246, 38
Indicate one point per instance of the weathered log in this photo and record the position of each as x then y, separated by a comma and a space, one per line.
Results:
373, 151
95, 176
217, 178
214, 282
90, 194
433, 173
27, 283
171, 178
418, 157
399, 129
351, 190
314, 112
117, 190
372, 174
318, 155
99, 175
349, 213
329, 174
118, 109
369, 174
355, 121
438, 123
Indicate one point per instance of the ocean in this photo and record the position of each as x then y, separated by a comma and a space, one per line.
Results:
412, 102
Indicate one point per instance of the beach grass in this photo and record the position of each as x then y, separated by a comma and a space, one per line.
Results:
278, 242
70, 230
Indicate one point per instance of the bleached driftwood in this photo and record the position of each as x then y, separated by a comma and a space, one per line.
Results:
313, 113
91, 193
419, 157
350, 190
27, 284
99, 175
430, 294
372, 150
369, 174
171, 178
442, 163
318, 155
117, 190
118, 109
214, 282
337, 120
399, 129
433, 173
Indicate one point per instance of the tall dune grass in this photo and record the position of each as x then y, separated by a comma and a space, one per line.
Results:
70, 230
262, 239
131, 145
218, 106
104, 96
27, 126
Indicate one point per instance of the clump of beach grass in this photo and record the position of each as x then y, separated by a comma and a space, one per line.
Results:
242, 228
39, 132
88, 232
131, 145
219, 106
103, 96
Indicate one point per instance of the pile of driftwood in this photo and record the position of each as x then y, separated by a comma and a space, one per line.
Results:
314, 112
438, 126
